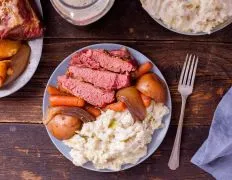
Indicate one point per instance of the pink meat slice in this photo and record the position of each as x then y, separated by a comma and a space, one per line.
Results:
122, 53
101, 59
88, 92
103, 79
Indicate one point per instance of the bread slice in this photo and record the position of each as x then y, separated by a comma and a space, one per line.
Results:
18, 20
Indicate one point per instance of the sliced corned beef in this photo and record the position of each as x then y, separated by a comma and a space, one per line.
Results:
103, 79
122, 53
101, 59
88, 92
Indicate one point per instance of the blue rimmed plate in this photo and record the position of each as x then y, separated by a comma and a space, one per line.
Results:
158, 135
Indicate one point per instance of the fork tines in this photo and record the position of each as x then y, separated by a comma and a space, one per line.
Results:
189, 70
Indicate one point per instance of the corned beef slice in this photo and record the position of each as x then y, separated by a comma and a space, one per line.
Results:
122, 53
19, 20
103, 79
101, 59
88, 92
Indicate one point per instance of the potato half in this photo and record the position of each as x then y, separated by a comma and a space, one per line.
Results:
152, 86
19, 63
8, 48
63, 127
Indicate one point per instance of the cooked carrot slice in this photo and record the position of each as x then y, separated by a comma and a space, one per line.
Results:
93, 110
143, 69
54, 91
66, 101
118, 106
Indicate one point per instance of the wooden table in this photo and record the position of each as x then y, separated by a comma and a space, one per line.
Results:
26, 151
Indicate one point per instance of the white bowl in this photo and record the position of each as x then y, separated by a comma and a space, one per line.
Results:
217, 28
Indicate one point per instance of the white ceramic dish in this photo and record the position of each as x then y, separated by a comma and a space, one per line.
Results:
158, 135
36, 51
218, 28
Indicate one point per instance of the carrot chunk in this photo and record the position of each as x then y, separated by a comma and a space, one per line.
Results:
53, 91
93, 110
66, 101
118, 106
143, 69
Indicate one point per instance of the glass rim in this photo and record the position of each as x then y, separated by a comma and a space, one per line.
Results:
78, 7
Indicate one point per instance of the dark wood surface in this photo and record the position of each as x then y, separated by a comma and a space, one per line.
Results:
26, 151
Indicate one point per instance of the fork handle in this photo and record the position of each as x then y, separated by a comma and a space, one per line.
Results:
175, 155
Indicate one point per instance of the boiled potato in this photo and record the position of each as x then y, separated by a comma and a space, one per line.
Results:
152, 86
131, 97
8, 48
63, 126
19, 63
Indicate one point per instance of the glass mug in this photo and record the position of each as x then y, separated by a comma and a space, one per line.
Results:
82, 12
78, 4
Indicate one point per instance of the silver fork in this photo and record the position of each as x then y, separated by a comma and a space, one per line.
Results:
185, 88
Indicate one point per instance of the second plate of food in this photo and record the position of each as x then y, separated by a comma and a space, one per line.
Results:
107, 107
20, 59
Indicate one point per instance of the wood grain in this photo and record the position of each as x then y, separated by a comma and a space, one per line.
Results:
214, 77
125, 21
28, 151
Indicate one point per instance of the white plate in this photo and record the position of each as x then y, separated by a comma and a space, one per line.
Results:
158, 135
36, 51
